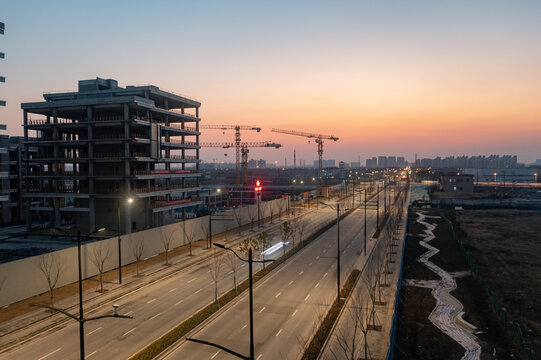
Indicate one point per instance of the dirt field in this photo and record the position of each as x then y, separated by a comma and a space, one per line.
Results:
416, 336
506, 247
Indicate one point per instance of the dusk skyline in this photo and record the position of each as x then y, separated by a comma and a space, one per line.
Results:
435, 79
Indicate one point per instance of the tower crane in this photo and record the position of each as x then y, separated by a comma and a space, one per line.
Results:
237, 129
244, 151
319, 140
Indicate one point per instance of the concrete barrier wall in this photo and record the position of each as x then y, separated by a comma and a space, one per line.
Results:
22, 279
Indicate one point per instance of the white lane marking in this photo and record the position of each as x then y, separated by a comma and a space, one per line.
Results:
307, 296
310, 263
148, 302
178, 302
277, 295
263, 308
191, 280
301, 272
198, 291
173, 289
317, 257
244, 327
229, 273
278, 333
43, 357
325, 274
294, 313
92, 353
129, 312
259, 357
155, 316
93, 331
129, 331
316, 285
291, 282
216, 353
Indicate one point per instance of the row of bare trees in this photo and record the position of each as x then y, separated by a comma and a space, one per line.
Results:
351, 341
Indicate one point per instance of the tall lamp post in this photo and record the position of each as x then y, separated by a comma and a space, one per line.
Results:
250, 261
337, 246
81, 319
257, 190
130, 201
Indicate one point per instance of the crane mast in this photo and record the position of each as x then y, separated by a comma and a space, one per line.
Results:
319, 140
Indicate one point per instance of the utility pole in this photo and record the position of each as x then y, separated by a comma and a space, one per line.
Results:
365, 221
377, 209
338, 250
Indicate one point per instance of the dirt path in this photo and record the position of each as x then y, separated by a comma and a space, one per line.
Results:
447, 315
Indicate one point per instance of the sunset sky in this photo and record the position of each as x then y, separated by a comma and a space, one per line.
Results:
386, 77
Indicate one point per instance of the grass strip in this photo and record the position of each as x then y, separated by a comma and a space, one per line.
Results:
155, 348
324, 330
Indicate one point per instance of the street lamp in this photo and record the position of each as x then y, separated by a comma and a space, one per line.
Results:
250, 261
130, 201
337, 246
535, 176
81, 319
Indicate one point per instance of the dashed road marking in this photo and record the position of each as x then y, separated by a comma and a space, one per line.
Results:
278, 333
325, 274
291, 282
92, 353
173, 289
198, 291
307, 296
301, 272
178, 302
216, 353
316, 285
129, 331
49, 354
150, 301
294, 313
155, 316
191, 280
277, 295
93, 331
263, 308
259, 357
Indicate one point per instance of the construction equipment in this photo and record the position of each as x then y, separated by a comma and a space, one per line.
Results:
319, 140
244, 151
237, 129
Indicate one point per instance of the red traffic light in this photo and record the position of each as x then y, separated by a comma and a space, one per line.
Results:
258, 186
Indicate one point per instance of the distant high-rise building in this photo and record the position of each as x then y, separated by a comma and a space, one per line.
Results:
372, 163
355, 164
104, 144
382, 161
325, 163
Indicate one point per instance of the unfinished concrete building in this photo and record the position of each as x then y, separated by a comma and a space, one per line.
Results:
111, 155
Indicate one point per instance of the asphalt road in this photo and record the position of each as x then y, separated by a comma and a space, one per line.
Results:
156, 308
289, 304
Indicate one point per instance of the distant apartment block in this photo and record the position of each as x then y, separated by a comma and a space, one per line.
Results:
261, 163
456, 182
103, 145
478, 162
386, 162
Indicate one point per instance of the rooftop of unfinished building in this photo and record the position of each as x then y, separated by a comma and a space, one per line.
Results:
100, 88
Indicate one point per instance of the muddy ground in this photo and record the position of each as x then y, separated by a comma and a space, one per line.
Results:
416, 336
505, 244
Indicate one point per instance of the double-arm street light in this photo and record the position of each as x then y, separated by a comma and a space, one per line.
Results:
129, 201
81, 319
337, 245
250, 261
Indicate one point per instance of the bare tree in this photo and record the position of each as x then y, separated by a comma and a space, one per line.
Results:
300, 227
264, 207
263, 242
214, 265
52, 267
348, 342
271, 211
137, 247
252, 214
167, 242
233, 262
286, 231
205, 230
99, 256
190, 236
238, 218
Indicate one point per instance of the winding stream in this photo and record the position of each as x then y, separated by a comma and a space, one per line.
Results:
447, 314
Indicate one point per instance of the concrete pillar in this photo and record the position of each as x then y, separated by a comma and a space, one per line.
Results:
127, 185
26, 172
90, 178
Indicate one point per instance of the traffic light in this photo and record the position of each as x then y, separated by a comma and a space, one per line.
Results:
258, 186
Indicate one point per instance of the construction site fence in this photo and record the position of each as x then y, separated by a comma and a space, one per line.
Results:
514, 328
392, 331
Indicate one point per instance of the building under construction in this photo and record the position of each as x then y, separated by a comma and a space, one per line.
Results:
109, 154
